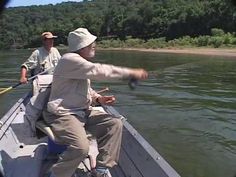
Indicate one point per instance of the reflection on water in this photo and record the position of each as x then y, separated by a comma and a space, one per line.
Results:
186, 109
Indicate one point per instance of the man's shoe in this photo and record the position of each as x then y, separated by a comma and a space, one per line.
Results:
100, 172
50, 174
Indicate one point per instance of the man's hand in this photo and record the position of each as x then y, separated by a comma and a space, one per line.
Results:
139, 74
23, 80
23, 75
106, 100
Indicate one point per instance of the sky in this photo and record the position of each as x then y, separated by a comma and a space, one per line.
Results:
16, 3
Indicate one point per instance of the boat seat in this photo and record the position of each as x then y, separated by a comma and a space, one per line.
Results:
93, 148
41, 125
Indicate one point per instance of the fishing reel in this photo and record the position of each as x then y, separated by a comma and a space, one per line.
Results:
133, 82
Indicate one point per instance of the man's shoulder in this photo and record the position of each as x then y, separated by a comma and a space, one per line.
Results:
72, 57
69, 54
54, 49
37, 50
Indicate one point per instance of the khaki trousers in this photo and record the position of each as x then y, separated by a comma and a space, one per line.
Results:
71, 130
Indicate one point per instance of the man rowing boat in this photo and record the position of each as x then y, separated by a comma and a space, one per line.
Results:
42, 58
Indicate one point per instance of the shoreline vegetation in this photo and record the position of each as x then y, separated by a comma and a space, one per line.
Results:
147, 24
218, 44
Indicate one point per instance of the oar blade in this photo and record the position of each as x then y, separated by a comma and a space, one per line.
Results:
5, 90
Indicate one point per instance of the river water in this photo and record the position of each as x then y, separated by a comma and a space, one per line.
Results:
186, 109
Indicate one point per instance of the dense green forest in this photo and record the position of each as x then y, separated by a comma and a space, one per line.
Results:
148, 21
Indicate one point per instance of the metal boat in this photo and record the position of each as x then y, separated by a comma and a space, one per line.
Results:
22, 154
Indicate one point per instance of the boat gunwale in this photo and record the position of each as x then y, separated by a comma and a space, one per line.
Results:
6, 118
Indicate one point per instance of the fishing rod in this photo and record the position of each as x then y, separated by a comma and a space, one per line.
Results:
19, 83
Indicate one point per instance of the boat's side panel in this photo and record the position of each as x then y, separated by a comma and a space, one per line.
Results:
138, 158
8, 145
117, 171
21, 154
146, 160
127, 165
8, 140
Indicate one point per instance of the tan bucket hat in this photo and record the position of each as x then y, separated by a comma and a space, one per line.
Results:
47, 35
79, 39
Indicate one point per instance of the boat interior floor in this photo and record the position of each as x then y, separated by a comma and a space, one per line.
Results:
21, 149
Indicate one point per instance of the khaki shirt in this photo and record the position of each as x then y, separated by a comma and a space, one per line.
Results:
71, 92
41, 60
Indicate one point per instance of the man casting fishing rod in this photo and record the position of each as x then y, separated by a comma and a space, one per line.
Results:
69, 109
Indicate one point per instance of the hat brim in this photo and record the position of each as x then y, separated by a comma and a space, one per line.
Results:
75, 45
51, 37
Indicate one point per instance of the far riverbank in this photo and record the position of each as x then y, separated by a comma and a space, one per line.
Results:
198, 51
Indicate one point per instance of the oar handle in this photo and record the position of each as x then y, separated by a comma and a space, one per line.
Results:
16, 85
29, 79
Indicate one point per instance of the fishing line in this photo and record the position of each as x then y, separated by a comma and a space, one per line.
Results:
133, 82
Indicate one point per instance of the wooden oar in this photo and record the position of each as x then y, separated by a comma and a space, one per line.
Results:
19, 83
